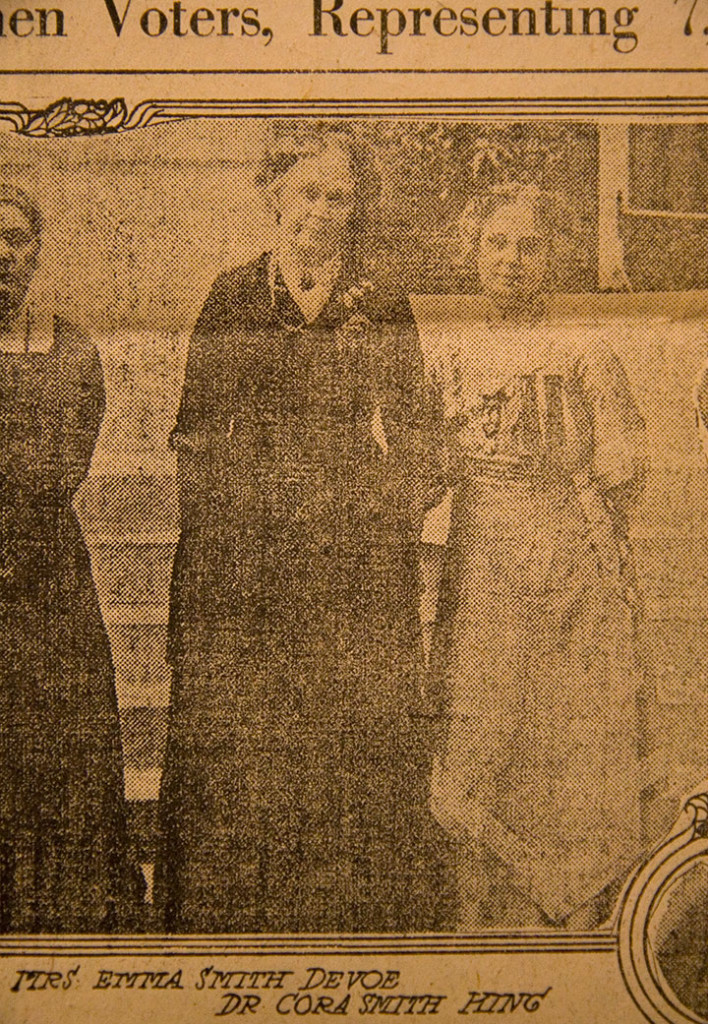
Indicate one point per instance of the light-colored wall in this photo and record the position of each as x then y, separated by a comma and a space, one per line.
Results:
137, 227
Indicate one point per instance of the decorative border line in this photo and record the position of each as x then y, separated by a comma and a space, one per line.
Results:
69, 117
640, 901
76, 118
141, 72
305, 945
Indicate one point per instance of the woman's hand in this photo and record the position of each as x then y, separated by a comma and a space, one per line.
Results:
195, 441
603, 539
603, 536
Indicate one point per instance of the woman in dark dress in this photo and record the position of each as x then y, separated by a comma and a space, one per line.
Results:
295, 791
63, 852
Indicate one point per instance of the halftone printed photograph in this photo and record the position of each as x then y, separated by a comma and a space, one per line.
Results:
353, 525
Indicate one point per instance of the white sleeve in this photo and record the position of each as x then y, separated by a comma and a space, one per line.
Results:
436, 525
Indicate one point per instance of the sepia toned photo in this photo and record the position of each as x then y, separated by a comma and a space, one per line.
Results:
353, 516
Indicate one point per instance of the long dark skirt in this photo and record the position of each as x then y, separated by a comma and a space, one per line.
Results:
296, 786
64, 863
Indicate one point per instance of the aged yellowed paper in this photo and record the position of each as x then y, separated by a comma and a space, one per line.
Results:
353, 511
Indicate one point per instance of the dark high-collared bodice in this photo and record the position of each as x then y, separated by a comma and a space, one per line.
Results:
297, 756
64, 864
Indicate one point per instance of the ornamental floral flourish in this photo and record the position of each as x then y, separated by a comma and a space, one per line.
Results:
353, 331
68, 117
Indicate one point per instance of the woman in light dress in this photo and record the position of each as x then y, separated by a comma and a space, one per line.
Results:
540, 776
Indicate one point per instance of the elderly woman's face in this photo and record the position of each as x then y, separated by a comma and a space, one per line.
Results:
513, 255
315, 202
19, 248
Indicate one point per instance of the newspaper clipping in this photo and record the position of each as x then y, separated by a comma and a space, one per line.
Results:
353, 512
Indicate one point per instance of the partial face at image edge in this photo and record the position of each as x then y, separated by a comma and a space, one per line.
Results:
19, 251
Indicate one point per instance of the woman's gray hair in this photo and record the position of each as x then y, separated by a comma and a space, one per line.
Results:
10, 195
288, 142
